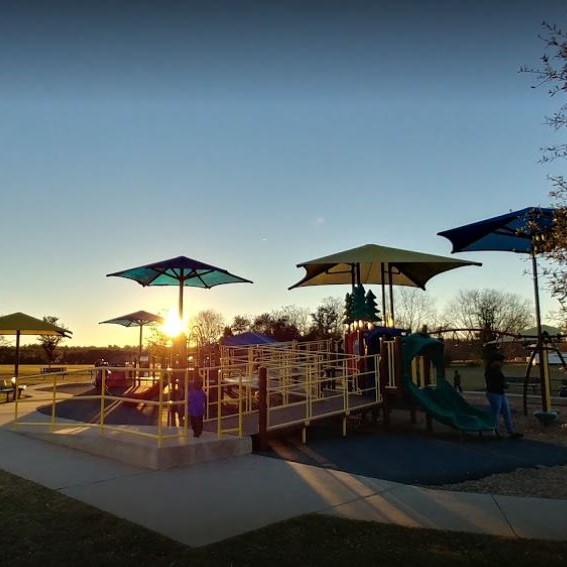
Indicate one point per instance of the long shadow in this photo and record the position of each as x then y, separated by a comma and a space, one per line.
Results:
88, 411
414, 458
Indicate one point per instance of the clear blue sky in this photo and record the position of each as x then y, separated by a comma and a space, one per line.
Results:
254, 136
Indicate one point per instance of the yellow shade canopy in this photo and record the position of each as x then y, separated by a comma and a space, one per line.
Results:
374, 264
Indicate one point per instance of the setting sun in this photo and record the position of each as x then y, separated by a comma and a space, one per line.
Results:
173, 325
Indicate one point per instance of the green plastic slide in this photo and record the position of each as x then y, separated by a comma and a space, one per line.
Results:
441, 401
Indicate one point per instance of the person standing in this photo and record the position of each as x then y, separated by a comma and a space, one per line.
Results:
197, 404
496, 395
457, 383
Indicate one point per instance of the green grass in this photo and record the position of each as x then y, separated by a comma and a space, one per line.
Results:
27, 370
473, 376
42, 527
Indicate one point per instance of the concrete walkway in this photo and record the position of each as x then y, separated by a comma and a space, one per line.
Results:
244, 493
234, 496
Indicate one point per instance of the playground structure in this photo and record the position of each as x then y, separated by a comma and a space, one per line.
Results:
540, 347
261, 390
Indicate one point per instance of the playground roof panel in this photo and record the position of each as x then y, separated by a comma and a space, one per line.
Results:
374, 264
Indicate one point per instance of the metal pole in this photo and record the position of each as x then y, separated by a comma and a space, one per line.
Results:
140, 349
391, 289
542, 374
382, 277
181, 297
17, 363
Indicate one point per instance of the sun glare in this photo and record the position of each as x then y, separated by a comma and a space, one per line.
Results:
173, 325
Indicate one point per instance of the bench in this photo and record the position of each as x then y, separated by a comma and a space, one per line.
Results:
9, 390
52, 369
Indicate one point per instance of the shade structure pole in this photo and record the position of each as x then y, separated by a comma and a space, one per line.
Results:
382, 279
17, 363
140, 348
543, 377
181, 299
391, 290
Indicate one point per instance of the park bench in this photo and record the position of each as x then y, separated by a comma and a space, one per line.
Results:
8, 389
52, 369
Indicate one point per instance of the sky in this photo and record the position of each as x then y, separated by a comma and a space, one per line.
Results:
254, 136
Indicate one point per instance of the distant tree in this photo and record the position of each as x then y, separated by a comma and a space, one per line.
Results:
276, 327
158, 344
489, 311
298, 317
207, 327
414, 308
240, 324
49, 343
327, 319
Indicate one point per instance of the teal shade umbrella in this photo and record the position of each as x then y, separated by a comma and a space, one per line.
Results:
19, 324
182, 272
137, 319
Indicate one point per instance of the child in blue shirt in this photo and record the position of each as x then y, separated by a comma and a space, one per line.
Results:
197, 403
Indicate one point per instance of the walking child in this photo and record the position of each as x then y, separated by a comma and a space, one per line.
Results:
197, 403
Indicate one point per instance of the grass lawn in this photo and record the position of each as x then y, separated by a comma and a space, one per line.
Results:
42, 527
27, 370
473, 376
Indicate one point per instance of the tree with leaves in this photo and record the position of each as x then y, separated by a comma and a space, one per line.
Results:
49, 343
240, 324
327, 320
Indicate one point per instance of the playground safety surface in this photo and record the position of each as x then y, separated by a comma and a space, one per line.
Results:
414, 457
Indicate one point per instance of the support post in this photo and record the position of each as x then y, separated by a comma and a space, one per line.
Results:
263, 408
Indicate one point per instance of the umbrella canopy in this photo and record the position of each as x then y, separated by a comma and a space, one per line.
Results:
21, 324
374, 264
182, 272
246, 339
136, 319
516, 231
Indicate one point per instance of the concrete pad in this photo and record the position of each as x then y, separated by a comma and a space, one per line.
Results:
535, 518
133, 444
56, 467
213, 501
416, 507
143, 451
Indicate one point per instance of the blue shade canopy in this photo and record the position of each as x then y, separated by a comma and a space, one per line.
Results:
136, 319
516, 231
511, 232
247, 339
181, 272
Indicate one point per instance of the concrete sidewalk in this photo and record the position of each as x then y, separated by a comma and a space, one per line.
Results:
234, 496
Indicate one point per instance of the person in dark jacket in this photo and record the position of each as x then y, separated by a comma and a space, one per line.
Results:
496, 394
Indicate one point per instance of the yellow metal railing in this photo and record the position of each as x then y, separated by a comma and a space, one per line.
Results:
304, 382
169, 403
